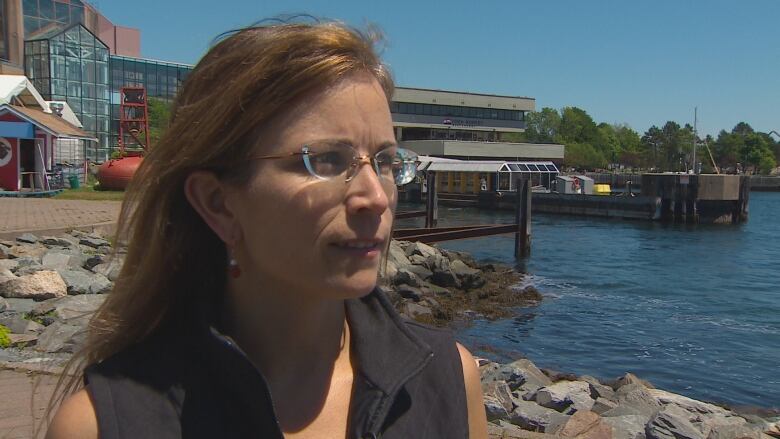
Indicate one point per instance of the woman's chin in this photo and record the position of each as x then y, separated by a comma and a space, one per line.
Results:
352, 287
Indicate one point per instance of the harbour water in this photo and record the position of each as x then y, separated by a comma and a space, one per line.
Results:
693, 309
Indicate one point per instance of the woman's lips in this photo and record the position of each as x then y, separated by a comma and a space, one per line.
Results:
362, 247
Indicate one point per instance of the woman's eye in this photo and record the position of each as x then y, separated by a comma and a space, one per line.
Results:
330, 163
386, 163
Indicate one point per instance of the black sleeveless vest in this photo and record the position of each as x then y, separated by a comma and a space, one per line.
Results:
194, 383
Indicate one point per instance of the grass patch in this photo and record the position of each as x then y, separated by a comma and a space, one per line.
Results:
90, 191
5, 341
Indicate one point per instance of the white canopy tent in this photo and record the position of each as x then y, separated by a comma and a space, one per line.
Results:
540, 173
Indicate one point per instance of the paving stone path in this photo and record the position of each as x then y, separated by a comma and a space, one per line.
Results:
18, 215
23, 403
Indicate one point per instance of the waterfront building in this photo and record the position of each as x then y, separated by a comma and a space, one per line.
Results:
36, 137
469, 126
73, 54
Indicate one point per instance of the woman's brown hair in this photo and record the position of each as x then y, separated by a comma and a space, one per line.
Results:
173, 258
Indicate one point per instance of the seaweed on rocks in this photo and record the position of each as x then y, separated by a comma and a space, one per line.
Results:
439, 287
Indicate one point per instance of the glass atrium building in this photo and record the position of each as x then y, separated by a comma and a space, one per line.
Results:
72, 65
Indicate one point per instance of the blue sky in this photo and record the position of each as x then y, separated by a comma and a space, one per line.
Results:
630, 61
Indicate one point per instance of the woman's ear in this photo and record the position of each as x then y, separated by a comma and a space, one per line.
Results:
208, 196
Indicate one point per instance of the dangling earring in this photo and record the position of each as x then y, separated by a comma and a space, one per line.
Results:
234, 270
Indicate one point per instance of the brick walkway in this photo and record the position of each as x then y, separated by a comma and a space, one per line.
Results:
23, 401
18, 215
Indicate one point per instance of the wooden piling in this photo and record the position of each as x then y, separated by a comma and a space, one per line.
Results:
523, 219
431, 202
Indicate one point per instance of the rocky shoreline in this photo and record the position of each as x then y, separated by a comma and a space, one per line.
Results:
50, 287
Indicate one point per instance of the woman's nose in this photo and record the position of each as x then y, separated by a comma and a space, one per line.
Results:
367, 191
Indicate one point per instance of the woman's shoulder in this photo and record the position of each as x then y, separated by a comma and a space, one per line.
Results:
156, 356
75, 418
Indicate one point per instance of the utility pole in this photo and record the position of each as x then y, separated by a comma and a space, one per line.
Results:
695, 109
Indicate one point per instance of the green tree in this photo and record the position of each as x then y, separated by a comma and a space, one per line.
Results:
577, 126
542, 126
607, 142
757, 155
584, 156
651, 143
159, 118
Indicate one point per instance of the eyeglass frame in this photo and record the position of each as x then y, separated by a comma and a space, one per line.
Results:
357, 161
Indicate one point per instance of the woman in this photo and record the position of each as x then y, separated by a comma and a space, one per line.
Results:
247, 304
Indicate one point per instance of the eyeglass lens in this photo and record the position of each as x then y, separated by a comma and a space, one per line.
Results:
329, 160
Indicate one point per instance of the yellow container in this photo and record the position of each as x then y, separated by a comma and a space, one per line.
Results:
601, 189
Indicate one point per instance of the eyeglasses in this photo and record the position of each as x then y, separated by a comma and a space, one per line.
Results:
326, 160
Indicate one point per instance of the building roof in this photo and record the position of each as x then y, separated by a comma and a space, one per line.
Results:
454, 98
492, 166
19, 87
488, 150
51, 123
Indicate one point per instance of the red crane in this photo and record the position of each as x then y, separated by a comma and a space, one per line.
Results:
116, 174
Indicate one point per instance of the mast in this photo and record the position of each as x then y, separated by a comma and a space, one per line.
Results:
695, 109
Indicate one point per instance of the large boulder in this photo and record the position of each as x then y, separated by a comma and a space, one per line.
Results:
691, 405
27, 238
6, 275
738, 431
22, 340
76, 310
61, 337
597, 389
568, 396
445, 278
94, 242
406, 277
21, 306
585, 425
638, 398
40, 285
84, 282
627, 426
534, 417
630, 378
470, 278
672, 422
499, 391
33, 251
397, 255
110, 269
413, 310
520, 373
63, 259
418, 248
19, 325
9, 264
3, 305
421, 272
411, 293
494, 409
602, 405
58, 241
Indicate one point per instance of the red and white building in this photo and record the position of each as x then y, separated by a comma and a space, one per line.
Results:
37, 138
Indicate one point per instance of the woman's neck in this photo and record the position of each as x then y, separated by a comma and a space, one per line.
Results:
302, 348
284, 334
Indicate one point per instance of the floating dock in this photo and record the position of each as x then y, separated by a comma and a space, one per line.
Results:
670, 198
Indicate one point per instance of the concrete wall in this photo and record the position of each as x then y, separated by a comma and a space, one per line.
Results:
120, 40
718, 187
15, 34
419, 120
495, 150
442, 97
